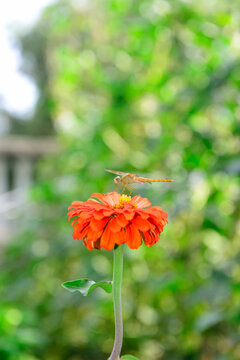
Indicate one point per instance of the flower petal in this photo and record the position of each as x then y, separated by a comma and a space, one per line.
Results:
143, 213
107, 241
101, 197
114, 225
121, 220
98, 215
89, 244
134, 239
119, 237
147, 238
97, 225
129, 215
141, 223
108, 212
142, 202
112, 198
109, 199
85, 215
93, 235
76, 203
80, 230
135, 198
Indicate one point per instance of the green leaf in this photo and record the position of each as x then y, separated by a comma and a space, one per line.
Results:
85, 286
128, 357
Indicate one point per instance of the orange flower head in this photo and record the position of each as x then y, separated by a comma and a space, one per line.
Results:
106, 220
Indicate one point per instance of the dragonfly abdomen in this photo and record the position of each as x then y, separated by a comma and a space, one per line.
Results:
144, 180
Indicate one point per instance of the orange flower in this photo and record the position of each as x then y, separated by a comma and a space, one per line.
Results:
115, 219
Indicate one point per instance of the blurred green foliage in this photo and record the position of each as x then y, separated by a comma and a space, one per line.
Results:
152, 87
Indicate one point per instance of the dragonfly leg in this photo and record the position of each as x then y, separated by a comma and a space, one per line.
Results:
123, 188
119, 187
131, 189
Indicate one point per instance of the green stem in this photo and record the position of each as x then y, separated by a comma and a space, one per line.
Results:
117, 281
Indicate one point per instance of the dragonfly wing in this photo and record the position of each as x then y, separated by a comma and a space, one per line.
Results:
121, 173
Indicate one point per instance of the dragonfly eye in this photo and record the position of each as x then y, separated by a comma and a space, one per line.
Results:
117, 180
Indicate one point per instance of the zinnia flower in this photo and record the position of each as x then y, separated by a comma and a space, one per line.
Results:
115, 219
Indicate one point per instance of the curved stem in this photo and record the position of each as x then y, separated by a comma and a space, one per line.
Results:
117, 281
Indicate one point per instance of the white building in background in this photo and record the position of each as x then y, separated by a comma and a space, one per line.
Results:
18, 158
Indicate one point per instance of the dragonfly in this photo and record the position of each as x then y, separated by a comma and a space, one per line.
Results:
124, 179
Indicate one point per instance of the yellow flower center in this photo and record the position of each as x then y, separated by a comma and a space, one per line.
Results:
122, 200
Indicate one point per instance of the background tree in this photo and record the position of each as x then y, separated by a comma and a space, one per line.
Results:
151, 87
33, 46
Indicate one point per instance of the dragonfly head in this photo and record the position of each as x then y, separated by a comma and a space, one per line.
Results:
117, 180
